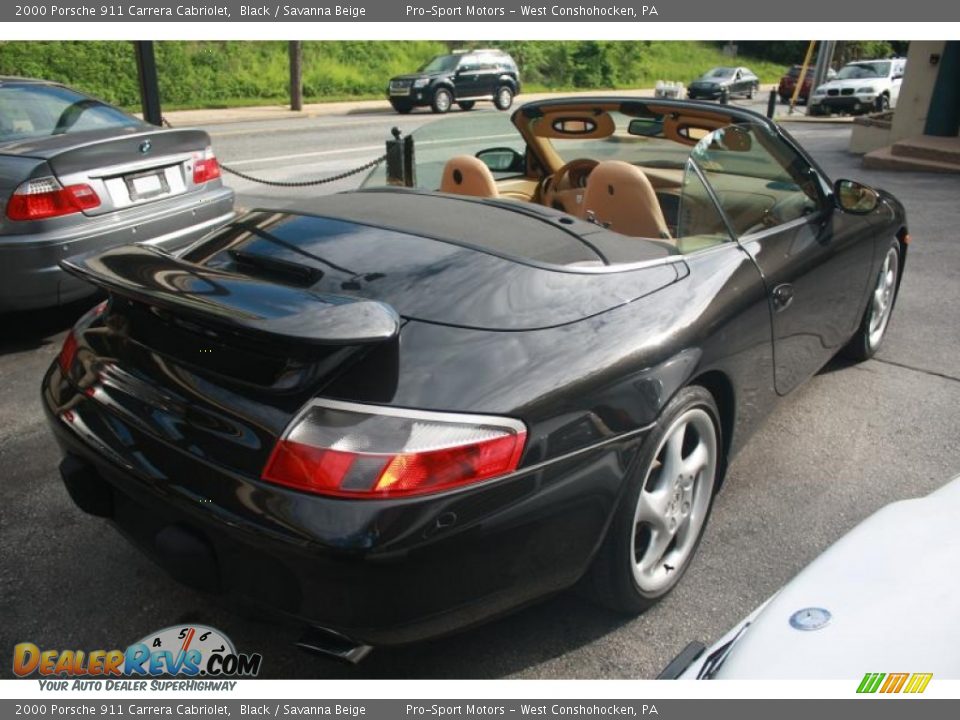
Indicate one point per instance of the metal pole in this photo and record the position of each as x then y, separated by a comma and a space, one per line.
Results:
772, 104
296, 75
724, 96
147, 76
803, 76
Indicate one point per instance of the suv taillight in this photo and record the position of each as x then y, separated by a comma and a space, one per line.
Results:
45, 197
205, 167
367, 451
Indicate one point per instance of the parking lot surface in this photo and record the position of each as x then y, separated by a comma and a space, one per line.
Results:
851, 440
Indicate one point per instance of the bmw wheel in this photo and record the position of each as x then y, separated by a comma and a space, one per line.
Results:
661, 519
883, 103
876, 318
503, 98
442, 100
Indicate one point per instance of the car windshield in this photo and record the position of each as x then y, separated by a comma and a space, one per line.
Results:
34, 110
860, 71
441, 63
720, 73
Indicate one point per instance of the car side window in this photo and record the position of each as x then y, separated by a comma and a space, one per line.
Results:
699, 223
760, 181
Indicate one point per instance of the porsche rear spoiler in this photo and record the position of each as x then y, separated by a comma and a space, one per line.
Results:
262, 308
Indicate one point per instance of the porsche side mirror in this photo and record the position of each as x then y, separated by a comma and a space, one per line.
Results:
502, 160
853, 197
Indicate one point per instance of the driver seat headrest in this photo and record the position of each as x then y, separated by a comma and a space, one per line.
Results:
467, 175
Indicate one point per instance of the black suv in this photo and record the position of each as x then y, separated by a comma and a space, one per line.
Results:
461, 78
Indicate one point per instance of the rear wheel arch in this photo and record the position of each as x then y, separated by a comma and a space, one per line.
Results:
721, 388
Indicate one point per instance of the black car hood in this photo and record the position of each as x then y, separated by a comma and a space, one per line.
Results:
417, 76
363, 245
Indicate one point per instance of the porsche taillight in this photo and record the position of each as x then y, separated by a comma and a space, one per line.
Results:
366, 451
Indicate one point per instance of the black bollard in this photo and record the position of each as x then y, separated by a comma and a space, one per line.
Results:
724, 96
772, 104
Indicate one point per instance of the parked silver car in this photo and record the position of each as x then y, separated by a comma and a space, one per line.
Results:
77, 174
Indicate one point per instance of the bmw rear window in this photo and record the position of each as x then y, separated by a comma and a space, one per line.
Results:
30, 110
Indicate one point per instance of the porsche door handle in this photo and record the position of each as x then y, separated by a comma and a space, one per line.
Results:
782, 296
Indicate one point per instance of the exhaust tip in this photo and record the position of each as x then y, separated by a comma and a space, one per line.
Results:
331, 644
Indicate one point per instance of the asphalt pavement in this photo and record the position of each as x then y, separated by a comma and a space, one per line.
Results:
849, 441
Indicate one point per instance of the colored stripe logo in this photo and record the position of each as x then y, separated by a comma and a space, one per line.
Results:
894, 683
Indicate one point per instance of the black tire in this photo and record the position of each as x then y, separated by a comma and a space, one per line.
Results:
814, 110
613, 578
503, 97
750, 92
442, 100
869, 336
466, 104
883, 103
402, 109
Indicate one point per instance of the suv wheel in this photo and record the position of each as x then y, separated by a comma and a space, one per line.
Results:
503, 98
883, 103
467, 104
442, 100
402, 108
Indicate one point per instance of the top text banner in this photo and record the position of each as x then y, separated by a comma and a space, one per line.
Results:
576, 11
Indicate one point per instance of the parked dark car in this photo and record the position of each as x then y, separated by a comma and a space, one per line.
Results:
397, 412
736, 81
461, 78
788, 83
78, 175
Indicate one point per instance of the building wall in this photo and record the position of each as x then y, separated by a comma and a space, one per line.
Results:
916, 91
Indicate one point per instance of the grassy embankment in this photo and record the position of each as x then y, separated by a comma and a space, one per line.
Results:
234, 74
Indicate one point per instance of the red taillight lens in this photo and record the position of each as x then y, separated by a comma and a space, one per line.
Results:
350, 450
45, 198
68, 353
205, 167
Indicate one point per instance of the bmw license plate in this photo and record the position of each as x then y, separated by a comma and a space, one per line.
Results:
145, 185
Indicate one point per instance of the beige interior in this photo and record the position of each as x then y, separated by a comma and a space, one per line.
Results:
466, 175
619, 196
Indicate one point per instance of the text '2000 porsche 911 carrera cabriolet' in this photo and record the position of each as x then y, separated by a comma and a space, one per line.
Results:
398, 412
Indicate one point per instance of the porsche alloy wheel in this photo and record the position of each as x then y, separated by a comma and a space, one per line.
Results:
876, 318
881, 303
672, 506
658, 526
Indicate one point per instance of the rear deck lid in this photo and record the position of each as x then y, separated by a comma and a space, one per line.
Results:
445, 260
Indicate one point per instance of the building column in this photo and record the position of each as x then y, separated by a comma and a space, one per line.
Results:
943, 113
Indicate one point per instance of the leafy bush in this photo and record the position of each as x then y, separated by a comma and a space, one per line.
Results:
229, 73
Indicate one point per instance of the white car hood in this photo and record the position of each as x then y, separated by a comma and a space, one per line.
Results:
877, 82
892, 587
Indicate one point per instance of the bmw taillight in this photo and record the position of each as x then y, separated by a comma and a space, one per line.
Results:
366, 451
45, 197
205, 167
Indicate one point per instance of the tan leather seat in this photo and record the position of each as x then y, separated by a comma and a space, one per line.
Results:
619, 196
466, 175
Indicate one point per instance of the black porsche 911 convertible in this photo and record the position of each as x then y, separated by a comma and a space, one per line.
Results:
399, 412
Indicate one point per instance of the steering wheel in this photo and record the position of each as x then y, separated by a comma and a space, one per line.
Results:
560, 190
